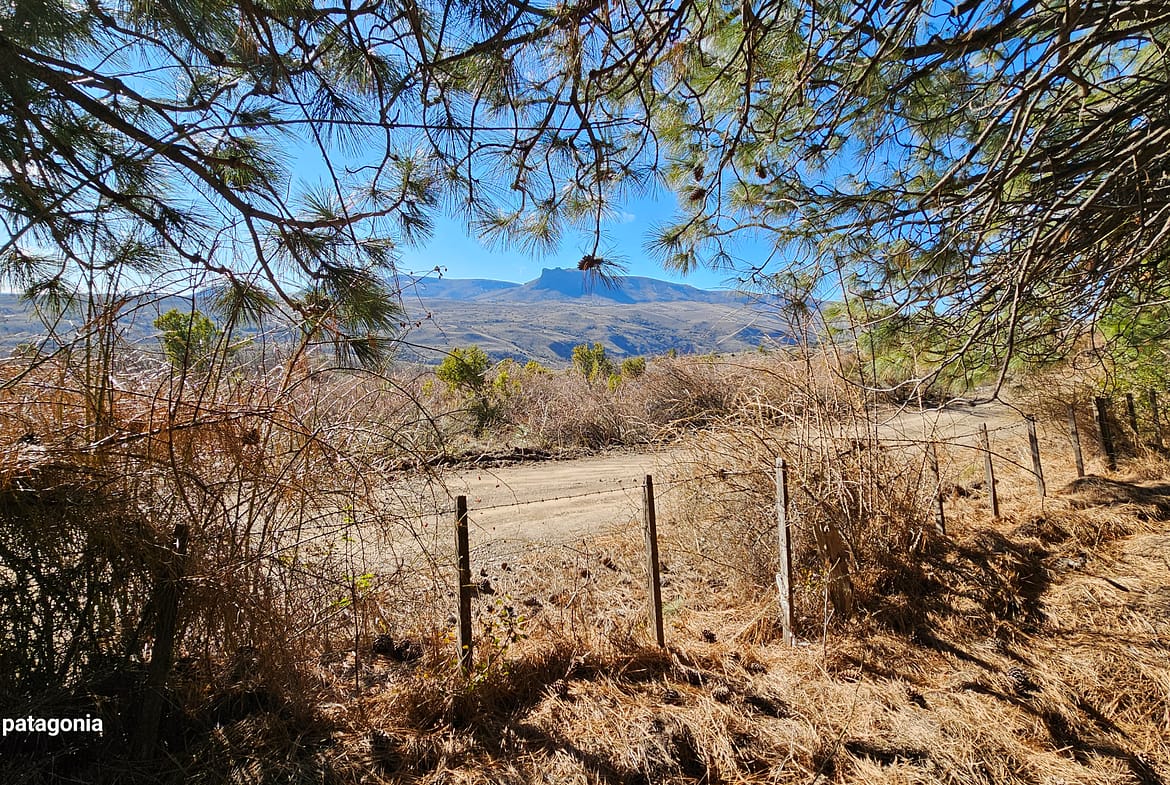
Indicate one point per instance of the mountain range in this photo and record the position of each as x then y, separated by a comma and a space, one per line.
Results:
559, 285
545, 318
542, 319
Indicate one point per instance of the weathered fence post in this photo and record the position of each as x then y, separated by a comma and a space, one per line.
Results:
1034, 448
1074, 434
463, 552
1152, 394
784, 576
989, 470
940, 521
652, 566
1106, 432
1131, 410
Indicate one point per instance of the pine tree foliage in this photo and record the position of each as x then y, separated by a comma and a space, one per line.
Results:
995, 170
999, 167
290, 145
308, 138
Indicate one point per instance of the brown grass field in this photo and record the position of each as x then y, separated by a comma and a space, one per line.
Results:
314, 635
1026, 650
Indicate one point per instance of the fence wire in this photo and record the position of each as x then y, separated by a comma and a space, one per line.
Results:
541, 568
663, 487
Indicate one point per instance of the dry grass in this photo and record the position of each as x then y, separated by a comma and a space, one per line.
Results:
1011, 676
1020, 668
563, 411
1029, 649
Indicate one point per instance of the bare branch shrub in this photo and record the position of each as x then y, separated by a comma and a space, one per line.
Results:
676, 392
855, 506
672, 394
220, 535
562, 410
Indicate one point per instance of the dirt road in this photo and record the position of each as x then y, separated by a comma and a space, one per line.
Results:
555, 501
558, 501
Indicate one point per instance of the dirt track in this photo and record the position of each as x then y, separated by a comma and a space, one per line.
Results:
557, 501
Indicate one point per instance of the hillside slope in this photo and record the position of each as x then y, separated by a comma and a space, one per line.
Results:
541, 320
545, 318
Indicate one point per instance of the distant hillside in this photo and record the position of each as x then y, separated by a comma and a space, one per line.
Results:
574, 285
548, 331
542, 319
561, 284
19, 323
454, 288
545, 318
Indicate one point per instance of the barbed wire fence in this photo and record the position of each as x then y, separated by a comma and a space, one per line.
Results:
586, 583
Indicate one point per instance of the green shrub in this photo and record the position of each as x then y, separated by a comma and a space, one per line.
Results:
464, 370
592, 362
188, 338
633, 367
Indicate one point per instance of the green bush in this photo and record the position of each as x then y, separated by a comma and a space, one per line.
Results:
592, 362
464, 370
188, 338
633, 367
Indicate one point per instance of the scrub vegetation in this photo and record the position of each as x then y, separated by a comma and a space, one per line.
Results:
254, 551
234, 547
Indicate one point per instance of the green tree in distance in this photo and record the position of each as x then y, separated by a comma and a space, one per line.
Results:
633, 367
188, 338
464, 372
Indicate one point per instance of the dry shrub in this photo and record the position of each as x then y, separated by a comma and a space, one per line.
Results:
678, 392
560, 410
854, 507
677, 395
565, 410
199, 541
75, 555
1050, 395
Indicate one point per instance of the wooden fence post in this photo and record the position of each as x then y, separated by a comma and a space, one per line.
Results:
784, 576
1106, 432
652, 566
1074, 434
989, 470
1131, 410
463, 553
1034, 448
940, 521
1152, 394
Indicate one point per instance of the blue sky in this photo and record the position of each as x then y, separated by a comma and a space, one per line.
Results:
463, 256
